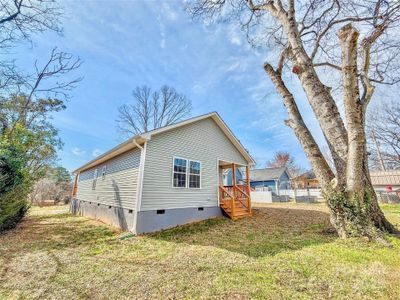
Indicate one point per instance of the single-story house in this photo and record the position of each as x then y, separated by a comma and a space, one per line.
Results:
274, 179
386, 181
166, 177
382, 181
307, 180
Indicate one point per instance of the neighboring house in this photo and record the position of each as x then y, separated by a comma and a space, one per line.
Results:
307, 180
382, 181
274, 179
165, 177
386, 181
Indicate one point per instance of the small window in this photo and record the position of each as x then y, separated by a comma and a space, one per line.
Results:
103, 172
94, 179
179, 172
160, 211
194, 174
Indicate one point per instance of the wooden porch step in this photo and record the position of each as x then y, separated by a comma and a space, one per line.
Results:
242, 212
239, 215
237, 208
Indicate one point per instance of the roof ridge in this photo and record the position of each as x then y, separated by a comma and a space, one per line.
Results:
147, 136
177, 123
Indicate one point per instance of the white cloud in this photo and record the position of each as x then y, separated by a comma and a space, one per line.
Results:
240, 65
96, 152
78, 152
169, 12
235, 39
162, 32
162, 41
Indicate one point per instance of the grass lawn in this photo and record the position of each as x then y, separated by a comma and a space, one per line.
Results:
283, 251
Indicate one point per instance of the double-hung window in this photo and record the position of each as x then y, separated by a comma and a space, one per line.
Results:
194, 174
103, 172
180, 170
94, 179
186, 173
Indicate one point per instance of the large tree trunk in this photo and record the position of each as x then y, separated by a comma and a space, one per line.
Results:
349, 193
318, 95
354, 207
296, 122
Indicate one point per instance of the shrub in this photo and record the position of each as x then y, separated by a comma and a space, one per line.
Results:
14, 185
13, 207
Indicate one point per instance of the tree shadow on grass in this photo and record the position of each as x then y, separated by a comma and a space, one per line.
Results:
54, 232
268, 232
119, 211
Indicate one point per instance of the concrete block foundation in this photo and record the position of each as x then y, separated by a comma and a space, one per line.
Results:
156, 220
115, 216
148, 221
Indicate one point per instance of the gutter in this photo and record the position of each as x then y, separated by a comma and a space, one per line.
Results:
140, 181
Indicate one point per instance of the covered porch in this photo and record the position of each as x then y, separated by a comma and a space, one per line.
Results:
234, 189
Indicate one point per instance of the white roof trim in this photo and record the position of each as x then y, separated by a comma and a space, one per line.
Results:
129, 144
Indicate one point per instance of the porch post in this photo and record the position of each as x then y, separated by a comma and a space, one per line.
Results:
75, 186
233, 174
233, 188
248, 186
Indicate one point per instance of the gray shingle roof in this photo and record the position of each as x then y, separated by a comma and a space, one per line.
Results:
385, 177
266, 174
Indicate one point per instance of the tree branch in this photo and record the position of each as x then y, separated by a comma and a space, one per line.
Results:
296, 122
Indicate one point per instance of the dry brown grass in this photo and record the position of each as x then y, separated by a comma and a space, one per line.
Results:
281, 252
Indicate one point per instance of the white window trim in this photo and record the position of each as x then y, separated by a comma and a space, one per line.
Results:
95, 175
187, 174
173, 172
103, 172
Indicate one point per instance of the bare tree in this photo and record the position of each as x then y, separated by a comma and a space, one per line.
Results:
284, 159
152, 110
351, 43
19, 19
48, 189
384, 135
45, 86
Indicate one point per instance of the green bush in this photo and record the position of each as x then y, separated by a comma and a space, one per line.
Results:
14, 185
13, 207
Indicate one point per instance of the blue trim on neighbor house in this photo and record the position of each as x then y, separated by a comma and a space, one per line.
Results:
284, 183
269, 183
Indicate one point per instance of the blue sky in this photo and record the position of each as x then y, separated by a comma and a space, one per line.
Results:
125, 44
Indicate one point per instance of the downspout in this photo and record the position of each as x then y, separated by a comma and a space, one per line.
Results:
139, 184
73, 207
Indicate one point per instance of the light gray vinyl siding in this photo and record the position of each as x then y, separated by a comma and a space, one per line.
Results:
119, 187
201, 141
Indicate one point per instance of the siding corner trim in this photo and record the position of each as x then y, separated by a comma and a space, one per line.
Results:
140, 184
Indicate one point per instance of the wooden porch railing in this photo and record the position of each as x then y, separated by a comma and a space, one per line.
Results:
235, 199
